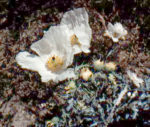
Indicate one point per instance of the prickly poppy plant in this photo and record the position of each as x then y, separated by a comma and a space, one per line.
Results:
74, 63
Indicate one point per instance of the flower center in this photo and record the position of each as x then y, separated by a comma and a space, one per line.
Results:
55, 63
115, 34
74, 40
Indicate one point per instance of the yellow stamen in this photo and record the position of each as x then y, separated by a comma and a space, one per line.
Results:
55, 63
74, 40
115, 34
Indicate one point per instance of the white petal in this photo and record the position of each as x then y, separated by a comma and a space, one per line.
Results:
55, 41
110, 27
118, 25
76, 49
28, 61
56, 77
120, 29
75, 17
57, 37
42, 47
115, 39
34, 63
78, 25
86, 50
47, 75
66, 74
84, 35
61, 42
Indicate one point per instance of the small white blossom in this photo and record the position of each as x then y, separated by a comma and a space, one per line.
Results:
54, 56
79, 31
137, 81
115, 31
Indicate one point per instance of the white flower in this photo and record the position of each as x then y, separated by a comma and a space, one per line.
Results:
137, 81
116, 32
54, 56
79, 31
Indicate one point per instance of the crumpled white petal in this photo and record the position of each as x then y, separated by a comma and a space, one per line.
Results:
77, 21
42, 46
115, 31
